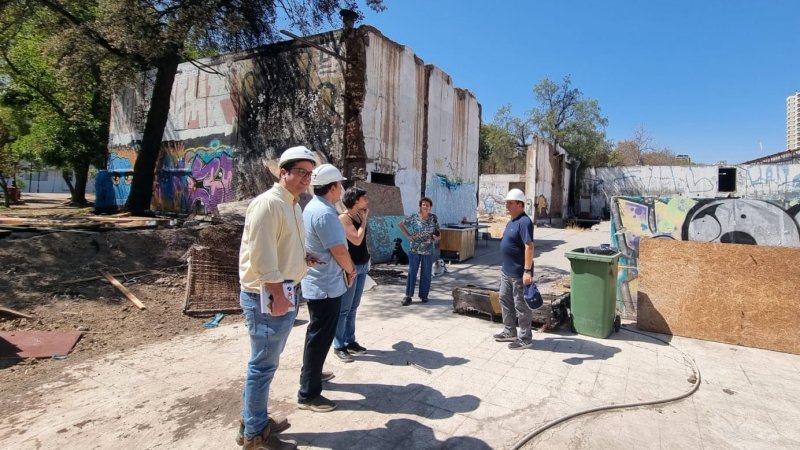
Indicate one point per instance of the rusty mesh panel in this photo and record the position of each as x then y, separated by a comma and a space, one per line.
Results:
212, 285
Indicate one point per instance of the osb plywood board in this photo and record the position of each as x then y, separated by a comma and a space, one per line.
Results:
383, 200
737, 294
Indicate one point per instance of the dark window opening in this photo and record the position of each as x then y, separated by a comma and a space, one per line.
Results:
726, 181
382, 178
517, 185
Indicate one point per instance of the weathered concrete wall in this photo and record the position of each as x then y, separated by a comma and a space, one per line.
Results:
553, 177
452, 163
225, 126
399, 121
779, 182
721, 220
421, 129
493, 189
393, 118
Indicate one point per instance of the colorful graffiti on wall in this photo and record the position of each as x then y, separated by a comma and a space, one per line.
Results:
113, 185
721, 220
453, 199
193, 179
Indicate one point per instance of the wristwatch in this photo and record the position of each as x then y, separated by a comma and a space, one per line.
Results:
529, 270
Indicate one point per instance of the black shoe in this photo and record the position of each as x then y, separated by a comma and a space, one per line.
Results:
505, 336
406, 301
343, 355
327, 376
319, 404
424, 300
355, 349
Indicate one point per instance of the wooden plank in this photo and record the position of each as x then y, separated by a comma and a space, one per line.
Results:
737, 294
123, 274
13, 312
124, 290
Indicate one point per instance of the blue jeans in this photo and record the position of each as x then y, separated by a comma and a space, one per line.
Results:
268, 336
346, 327
414, 261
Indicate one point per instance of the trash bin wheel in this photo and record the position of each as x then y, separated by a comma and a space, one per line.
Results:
617, 324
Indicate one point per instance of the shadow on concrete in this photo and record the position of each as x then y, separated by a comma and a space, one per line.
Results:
404, 353
545, 245
396, 399
572, 345
397, 433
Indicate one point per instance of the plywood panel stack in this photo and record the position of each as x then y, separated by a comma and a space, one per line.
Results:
738, 294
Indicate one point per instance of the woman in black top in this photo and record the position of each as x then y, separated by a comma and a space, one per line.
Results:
354, 221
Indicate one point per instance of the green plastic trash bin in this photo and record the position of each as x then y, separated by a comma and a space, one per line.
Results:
593, 287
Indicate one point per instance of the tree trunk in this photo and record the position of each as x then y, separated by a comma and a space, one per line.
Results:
144, 169
81, 170
6, 196
66, 175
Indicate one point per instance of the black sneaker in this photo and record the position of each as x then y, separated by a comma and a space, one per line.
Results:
406, 301
343, 355
519, 344
424, 300
356, 349
319, 404
505, 336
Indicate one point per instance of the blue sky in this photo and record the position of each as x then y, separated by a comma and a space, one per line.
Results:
707, 78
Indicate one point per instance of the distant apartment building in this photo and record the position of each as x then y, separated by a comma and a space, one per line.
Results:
793, 121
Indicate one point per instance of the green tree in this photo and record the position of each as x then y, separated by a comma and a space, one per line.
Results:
521, 130
499, 151
640, 150
157, 35
54, 79
564, 117
11, 127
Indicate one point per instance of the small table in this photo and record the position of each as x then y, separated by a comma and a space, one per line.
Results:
457, 242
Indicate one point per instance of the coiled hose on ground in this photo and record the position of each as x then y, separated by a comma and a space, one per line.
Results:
524, 440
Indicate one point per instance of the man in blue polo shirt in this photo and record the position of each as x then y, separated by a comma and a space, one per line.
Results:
517, 250
324, 285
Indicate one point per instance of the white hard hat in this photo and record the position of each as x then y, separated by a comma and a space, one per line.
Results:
516, 195
297, 153
326, 174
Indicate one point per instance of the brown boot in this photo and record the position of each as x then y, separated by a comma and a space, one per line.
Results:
277, 424
268, 441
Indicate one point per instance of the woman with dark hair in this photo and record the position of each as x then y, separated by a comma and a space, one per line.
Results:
422, 230
354, 221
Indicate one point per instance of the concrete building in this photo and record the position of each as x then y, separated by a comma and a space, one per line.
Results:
793, 121
547, 183
366, 104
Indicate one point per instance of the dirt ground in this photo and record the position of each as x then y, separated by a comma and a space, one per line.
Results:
36, 272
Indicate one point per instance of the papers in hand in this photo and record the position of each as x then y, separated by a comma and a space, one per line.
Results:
266, 297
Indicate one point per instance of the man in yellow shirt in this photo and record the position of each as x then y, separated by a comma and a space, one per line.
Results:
272, 261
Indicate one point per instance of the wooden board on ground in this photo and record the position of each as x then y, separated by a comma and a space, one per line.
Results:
36, 344
737, 294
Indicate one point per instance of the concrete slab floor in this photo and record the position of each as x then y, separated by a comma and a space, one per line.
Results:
186, 393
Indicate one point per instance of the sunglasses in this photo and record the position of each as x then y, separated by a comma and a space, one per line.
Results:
303, 173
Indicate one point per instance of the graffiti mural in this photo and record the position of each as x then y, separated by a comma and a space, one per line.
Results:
194, 179
113, 185
453, 199
383, 231
721, 220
